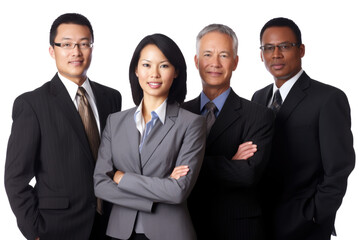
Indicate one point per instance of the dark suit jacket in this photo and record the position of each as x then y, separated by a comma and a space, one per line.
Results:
224, 203
311, 160
48, 142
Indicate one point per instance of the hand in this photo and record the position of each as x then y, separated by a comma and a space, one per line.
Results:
245, 151
179, 171
38, 238
118, 176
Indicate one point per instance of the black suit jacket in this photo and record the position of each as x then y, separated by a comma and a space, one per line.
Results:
48, 142
224, 201
312, 157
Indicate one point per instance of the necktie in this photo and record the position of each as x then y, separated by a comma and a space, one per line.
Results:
277, 102
91, 129
210, 115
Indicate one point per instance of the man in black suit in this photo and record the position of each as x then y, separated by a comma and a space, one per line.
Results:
48, 141
312, 153
224, 203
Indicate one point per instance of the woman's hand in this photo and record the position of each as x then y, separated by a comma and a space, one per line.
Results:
118, 176
179, 171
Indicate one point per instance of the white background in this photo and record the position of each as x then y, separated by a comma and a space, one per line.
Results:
330, 31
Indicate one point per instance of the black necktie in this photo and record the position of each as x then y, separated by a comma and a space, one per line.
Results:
277, 102
91, 129
210, 115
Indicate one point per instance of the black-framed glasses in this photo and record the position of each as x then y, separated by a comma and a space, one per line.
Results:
71, 45
283, 47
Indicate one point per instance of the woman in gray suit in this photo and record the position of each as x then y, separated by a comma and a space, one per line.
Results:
150, 155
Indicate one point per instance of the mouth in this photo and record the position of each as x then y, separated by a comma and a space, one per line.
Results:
154, 84
214, 74
76, 62
278, 66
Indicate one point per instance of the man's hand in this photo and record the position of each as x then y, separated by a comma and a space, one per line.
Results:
117, 176
245, 151
179, 171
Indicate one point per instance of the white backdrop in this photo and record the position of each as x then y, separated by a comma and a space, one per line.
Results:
330, 31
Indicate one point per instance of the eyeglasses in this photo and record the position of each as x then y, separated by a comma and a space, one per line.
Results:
71, 45
283, 47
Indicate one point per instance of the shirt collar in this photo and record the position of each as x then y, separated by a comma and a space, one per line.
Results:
72, 87
160, 112
286, 87
219, 101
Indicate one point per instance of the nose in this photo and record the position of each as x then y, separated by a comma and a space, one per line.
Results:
277, 53
155, 73
76, 51
215, 62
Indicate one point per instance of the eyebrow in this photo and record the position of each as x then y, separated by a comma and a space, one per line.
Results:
160, 62
81, 39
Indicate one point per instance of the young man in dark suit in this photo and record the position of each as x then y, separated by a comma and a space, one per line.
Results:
224, 203
312, 154
54, 138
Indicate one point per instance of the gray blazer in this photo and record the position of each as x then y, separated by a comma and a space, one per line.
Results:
146, 188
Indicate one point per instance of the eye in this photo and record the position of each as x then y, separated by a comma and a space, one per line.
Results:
164, 66
207, 55
285, 46
67, 44
146, 65
85, 44
269, 48
223, 55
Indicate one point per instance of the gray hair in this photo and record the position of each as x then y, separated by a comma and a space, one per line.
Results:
221, 29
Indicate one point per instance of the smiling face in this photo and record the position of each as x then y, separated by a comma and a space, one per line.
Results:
72, 63
216, 61
282, 65
155, 73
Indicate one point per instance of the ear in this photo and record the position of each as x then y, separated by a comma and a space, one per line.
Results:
236, 62
136, 72
302, 50
52, 52
196, 61
261, 56
176, 74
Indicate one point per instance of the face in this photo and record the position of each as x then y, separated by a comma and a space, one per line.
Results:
216, 60
155, 73
282, 65
72, 63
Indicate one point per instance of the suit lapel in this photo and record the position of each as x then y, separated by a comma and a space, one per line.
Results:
158, 133
295, 96
133, 137
63, 100
230, 112
102, 107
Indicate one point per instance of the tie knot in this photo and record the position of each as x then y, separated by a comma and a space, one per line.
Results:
81, 91
277, 97
210, 106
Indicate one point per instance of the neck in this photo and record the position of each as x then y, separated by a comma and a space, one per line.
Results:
150, 104
213, 93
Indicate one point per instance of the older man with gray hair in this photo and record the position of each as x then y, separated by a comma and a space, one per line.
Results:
224, 202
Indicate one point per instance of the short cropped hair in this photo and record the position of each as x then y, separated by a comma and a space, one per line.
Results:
74, 18
282, 22
221, 29
174, 55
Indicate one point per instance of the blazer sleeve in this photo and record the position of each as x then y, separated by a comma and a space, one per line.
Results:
20, 167
338, 156
244, 173
168, 190
105, 187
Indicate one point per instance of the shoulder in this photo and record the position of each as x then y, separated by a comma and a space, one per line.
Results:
324, 92
105, 89
187, 116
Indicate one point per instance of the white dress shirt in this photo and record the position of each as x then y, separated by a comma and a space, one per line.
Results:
285, 88
72, 88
